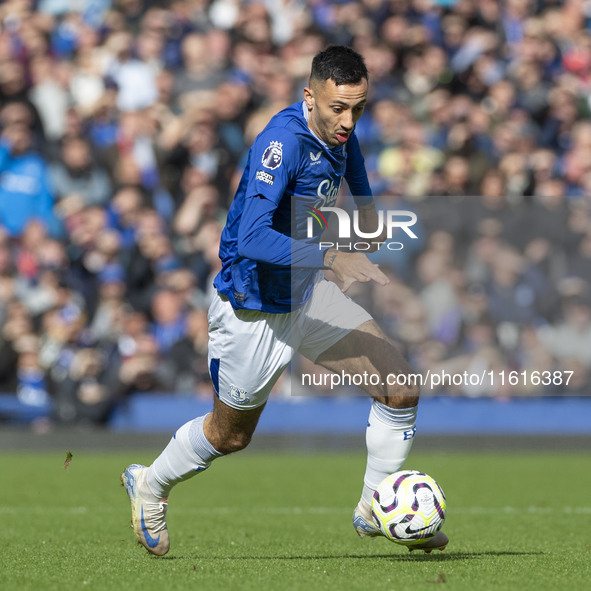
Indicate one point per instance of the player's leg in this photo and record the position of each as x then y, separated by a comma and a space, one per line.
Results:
367, 349
341, 336
229, 429
391, 426
199, 442
242, 382
191, 450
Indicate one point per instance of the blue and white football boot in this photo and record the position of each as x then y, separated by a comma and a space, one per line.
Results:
367, 528
148, 513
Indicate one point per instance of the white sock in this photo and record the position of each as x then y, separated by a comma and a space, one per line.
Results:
187, 453
389, 436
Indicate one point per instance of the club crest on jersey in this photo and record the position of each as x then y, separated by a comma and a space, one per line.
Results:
273, 155
237, 394
315, 158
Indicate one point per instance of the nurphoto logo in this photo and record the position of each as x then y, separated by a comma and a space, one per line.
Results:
390, 220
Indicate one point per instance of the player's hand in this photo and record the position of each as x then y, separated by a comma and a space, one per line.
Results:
368, 222
350, 267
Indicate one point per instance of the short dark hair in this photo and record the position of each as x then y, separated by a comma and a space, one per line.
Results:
339, 63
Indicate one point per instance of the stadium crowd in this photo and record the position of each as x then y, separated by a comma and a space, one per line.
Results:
124, 124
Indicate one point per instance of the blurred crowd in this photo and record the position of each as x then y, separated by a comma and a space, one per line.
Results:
124, 128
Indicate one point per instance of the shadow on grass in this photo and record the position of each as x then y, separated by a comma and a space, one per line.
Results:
414, 557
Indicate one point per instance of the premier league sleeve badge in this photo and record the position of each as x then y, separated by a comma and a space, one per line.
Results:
273, 155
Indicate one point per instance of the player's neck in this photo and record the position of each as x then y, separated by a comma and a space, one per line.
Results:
307, 118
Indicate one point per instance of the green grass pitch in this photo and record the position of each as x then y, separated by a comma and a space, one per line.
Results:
280, 521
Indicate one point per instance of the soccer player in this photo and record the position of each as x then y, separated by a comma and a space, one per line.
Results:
272, 300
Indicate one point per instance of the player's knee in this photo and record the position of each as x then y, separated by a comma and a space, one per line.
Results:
412, 392
400, 396
234, 443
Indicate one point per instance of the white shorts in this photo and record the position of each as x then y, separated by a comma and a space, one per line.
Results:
248, 349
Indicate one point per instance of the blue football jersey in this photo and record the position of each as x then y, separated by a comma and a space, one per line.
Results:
268, 263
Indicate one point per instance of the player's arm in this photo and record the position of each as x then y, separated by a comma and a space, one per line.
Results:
257, 240
274, 163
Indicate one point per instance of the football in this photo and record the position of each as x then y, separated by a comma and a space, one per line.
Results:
409, 507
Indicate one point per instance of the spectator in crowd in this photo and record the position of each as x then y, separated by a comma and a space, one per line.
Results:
16, 337
25, 190
123, 130
169, 323
76, 174
111, 299
186, 360
140, 368
85, 396
570, 338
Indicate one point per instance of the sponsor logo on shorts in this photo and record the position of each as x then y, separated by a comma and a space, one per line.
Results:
265, 177
237, 394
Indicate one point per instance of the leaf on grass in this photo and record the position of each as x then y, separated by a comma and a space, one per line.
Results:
440, 579
68, 459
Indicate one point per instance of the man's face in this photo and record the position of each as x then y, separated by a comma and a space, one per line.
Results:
334, 110
76, 154
19, 136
